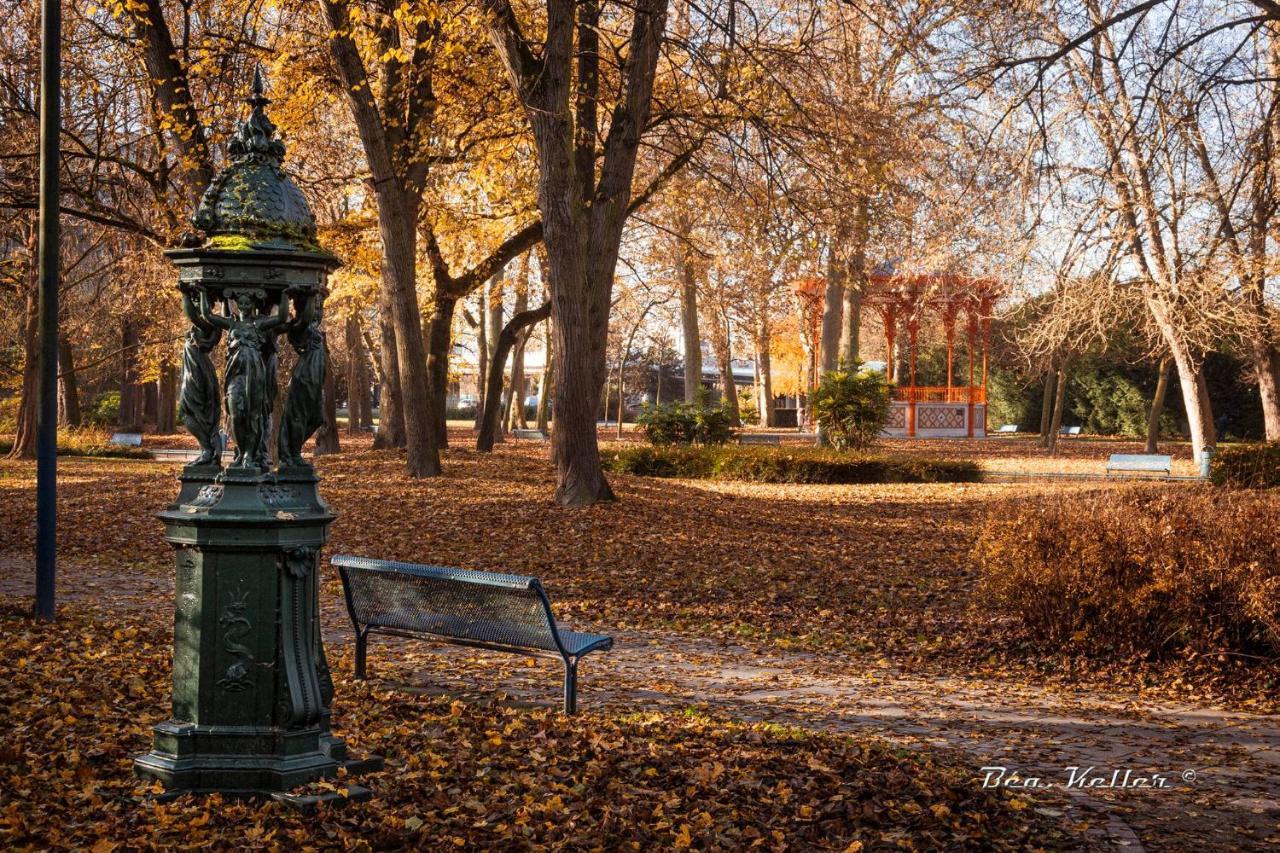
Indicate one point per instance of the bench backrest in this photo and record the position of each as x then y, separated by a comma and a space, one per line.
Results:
1075, 430
1009, 428
535, 434
1139, 462
480, 607
128, 439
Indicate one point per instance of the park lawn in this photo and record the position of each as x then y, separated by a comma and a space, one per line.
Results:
867, 576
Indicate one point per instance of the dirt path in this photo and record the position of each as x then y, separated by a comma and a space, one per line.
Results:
1229, 799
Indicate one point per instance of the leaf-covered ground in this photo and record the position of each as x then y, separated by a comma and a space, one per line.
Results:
78, 695
856, 588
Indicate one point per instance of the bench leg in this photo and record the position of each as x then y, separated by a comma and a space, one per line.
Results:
362, 646
570, 687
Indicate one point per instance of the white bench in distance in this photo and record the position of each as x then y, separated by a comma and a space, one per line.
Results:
126, 439
1140, 463
529, 434
1009, 428
758, 438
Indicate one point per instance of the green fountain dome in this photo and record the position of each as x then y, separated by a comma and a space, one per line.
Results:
253, 202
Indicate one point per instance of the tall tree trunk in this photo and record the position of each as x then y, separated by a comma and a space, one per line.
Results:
24, 441
327, 436
1157, 406
516, 418
1046, 406
1059, 401
439, 345
542, 418
689, 313
397, 221
507, 339
764, 365
832, 309
724, 358
167, 416
855, 284
1265, 359
130, 417
482, 352
391, 431
359, 402
68, 390
493, 331
151, 403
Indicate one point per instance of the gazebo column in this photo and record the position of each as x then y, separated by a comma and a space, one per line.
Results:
986, 347
973, 342
890, 333
913, 330
949, 321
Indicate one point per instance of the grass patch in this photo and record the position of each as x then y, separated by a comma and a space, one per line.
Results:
786, 465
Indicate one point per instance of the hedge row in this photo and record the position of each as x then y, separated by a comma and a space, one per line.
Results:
1153, 572
1248, 466
785, 465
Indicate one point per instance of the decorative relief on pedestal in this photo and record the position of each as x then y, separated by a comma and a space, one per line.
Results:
235, 627
276, 495
300, 562
300, 701
188, 598
208, 495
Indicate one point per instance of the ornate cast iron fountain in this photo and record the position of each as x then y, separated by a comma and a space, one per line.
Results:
251, 685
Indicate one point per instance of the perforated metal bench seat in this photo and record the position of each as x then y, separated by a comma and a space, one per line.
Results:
487, 610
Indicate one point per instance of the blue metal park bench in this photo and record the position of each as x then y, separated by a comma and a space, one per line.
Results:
485, 610
1139, 463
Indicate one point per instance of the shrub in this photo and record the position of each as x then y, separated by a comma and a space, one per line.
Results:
685, 423
851, 406
87, 442
103, 411
1152, 572
1248, 466
785, 465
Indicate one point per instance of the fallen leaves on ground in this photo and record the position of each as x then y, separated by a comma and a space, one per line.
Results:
80, 695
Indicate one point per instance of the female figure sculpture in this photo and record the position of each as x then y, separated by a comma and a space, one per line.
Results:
198, 403
247, 395
303, 402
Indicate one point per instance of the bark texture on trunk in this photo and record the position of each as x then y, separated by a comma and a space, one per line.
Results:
167, 400
855, 283
359, 384
1059, 402
542, 418
583, 215
397, 220
515, 409
690, 333
1157, 406
764, 365
722, 346
391, 431
327, 436
832, 311
1046, 405
1265, 359
24, 441
507, 339
68, 390
439, 345
131, 402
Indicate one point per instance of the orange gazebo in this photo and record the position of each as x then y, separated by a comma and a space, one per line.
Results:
949, 410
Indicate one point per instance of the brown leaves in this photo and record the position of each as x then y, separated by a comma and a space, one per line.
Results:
458, 773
